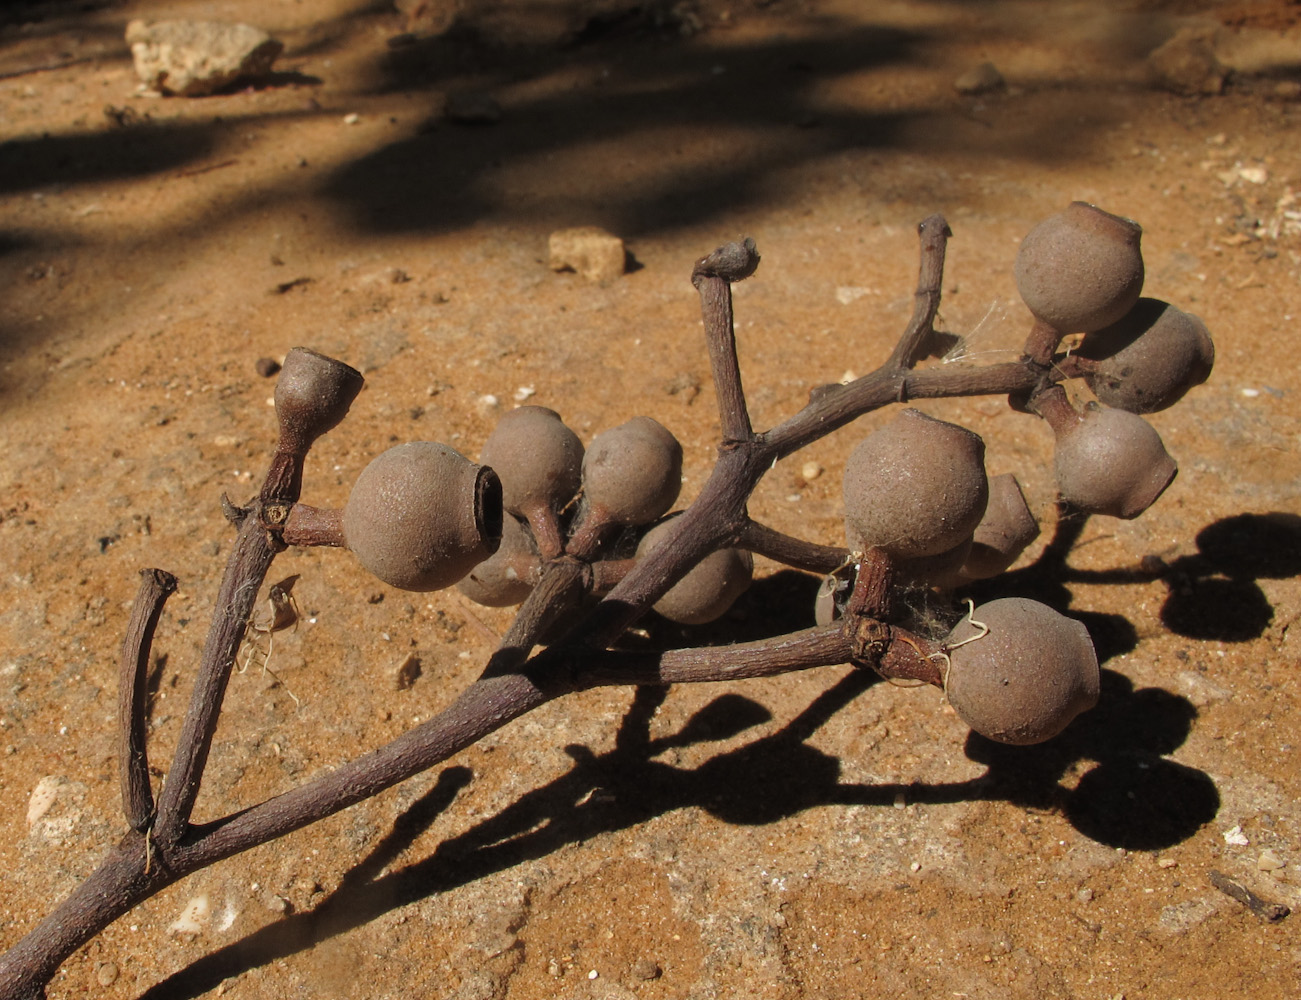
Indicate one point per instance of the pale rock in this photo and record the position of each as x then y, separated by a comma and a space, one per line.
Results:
592, 252
1180, 917
1269, 861
1201, 690
194, 58
983, 79
1186, 63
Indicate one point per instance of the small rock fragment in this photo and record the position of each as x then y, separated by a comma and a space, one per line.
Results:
1235, 837
106, 974
810, 471
589, 250
266, 367
194, 58
42, 797
408, 672
1180, 917
1186, 64
983, 79
193, 916
1201, 690
645, 969
1269, 861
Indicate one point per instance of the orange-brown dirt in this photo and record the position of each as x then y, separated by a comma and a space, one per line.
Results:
814, 835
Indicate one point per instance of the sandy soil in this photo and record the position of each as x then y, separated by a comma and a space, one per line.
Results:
811, 836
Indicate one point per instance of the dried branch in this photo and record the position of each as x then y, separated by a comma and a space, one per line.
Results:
516, 680
156, 586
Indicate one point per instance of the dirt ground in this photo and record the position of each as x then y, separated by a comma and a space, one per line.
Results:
811, 836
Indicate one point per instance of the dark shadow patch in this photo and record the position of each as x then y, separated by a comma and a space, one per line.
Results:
1141, 802
1214, 608
1254, 546
77, 158
1132, 798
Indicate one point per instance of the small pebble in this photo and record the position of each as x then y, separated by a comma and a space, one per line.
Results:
1269, 861
106, 974
593, 974
1166, 863
983, 79
1236, 837
408, 672
266, 367
351, 119
811, 470
645, 969
1084, 895
915, 866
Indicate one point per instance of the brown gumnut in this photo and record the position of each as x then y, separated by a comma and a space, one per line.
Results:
1082, 269
709, 588
916, 487
421, 516
1111, 462
632, 473
1148, 359
538, 458
1027, 678
312, 396
1003, 533
508, 575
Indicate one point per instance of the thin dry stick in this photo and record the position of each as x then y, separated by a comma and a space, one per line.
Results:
156, 586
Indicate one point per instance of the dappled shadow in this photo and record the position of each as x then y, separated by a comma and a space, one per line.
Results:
1133, 797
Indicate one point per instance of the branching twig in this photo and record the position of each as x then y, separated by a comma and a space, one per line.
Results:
516, 680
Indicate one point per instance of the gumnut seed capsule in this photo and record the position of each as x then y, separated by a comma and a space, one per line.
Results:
632, 473
1111, 462
1082, 269
421, 516
916, 487
709, 588
312, 396
1149, 359
538, 458
1003, 533
1019, 672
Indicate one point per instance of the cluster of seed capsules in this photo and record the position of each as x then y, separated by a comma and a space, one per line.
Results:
423, 517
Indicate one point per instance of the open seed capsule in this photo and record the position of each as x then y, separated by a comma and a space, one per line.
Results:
1003, 533
421, 516
1111, 462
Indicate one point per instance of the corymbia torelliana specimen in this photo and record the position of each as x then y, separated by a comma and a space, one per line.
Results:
586, 541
